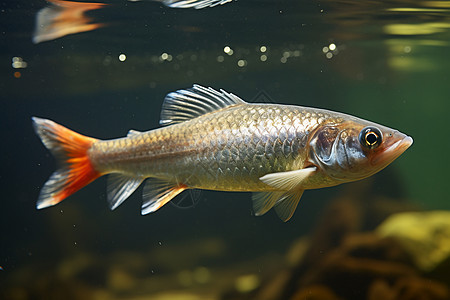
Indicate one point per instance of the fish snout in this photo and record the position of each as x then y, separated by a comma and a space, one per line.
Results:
396, 143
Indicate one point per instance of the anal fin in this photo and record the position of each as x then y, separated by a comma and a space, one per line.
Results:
158, 192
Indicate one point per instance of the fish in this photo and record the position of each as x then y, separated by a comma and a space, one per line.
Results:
63, 17
213, 140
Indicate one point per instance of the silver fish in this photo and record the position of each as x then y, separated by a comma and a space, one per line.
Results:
214, 140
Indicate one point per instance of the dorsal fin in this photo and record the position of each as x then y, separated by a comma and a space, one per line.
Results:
188, 104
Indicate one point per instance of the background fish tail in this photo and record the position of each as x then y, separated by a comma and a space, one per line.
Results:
70, 149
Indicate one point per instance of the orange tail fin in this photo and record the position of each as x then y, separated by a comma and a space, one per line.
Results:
61, 18
76, 170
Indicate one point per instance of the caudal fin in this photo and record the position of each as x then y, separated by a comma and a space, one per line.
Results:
70, 149
61, 18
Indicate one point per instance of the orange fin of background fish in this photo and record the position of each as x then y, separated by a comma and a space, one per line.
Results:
62, 18
159, 192
76, 170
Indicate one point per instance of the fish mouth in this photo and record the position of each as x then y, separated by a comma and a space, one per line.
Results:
393, 151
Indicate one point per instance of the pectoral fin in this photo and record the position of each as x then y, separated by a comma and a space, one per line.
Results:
287, 181
158, 192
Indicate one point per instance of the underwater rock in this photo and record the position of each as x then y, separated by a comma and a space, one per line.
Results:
48, 287
345, 259
363, 266
358, 208
120, 280
318, 292
271, 289
408, 289
425, 236
297, 251
247, 283
442, 272
350, 268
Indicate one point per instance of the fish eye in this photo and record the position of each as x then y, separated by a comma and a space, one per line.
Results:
370, 137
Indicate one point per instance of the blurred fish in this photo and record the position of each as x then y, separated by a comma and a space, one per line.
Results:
214, 140
63, 17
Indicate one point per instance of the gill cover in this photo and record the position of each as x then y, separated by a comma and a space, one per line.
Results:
337, 150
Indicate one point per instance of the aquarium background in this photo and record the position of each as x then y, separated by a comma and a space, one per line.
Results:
385, 61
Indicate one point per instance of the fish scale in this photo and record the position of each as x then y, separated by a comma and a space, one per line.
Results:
213, 148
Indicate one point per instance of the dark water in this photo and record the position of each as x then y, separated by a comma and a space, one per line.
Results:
390, 64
